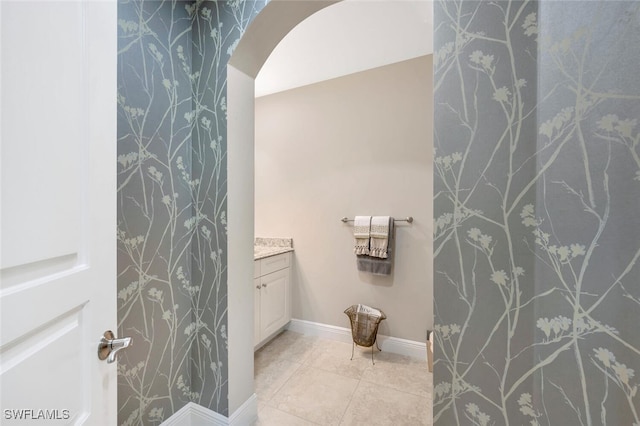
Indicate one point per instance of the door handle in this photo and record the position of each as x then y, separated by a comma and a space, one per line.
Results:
264, 285
109, 346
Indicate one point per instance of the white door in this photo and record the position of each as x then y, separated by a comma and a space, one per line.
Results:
58, 252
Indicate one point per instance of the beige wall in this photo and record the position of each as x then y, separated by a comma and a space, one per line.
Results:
355, 145
240, 152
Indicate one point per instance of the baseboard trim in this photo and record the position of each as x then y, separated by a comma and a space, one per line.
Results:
202, 416
193, 414
394, 345
182, 417
246, 414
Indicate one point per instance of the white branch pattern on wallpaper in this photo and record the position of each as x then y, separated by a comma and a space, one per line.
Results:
172, 283
536, 231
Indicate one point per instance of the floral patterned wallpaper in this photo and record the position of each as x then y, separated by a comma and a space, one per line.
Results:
172, 58
537, 232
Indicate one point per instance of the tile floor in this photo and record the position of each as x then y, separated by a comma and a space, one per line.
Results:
302, 380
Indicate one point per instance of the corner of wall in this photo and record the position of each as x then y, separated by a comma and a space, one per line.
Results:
240, 160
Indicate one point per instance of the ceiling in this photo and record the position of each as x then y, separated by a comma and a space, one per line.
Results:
348, 37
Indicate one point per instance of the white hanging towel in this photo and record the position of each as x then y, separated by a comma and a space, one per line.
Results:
379, 237
361, 233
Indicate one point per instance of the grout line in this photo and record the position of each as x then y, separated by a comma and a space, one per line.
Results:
294, 415
398, 390
279, 388
350, 401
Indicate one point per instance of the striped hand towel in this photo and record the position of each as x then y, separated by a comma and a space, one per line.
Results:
379, 236
361, 230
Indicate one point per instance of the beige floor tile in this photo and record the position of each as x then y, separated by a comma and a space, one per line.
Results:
382, 406
287, 345
363, 353
401, 373
303, 380
270, 376
335, 357
315, 395
269, 416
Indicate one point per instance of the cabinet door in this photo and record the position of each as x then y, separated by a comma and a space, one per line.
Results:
256, 311
274, 302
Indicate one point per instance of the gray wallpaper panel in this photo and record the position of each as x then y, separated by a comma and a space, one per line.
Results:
154, 206
172, 285
217, 27
537, 236
586, 218
485, 131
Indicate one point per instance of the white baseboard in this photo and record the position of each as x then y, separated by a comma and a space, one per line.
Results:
246, 414
326, 331
202, 416
394, 345
193, 414
182, 417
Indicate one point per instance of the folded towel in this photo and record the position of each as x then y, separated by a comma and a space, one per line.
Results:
364, 314
379, 236
361, 231
376, 265
364, 309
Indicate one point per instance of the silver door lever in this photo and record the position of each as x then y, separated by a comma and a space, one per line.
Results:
109, 346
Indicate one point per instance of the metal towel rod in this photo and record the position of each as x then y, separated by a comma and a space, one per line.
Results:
408, 219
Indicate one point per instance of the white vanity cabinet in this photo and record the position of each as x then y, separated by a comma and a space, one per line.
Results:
272, 295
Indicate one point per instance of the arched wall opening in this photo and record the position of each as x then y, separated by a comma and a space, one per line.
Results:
257, 43
272, 24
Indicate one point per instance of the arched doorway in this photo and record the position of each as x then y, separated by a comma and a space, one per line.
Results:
267, 30
269, 27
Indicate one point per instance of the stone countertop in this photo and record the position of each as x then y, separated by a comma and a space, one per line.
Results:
260, 252
266, 247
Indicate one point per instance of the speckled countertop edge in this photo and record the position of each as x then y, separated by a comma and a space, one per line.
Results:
273, 242
266, 247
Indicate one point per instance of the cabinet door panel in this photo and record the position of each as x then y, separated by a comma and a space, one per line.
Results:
274, 302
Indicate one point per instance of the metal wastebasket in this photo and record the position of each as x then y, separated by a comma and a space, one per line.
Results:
364, 326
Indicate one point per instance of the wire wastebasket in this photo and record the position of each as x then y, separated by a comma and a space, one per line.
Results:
364, 326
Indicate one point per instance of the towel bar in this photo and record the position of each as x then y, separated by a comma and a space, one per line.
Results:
408, 219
